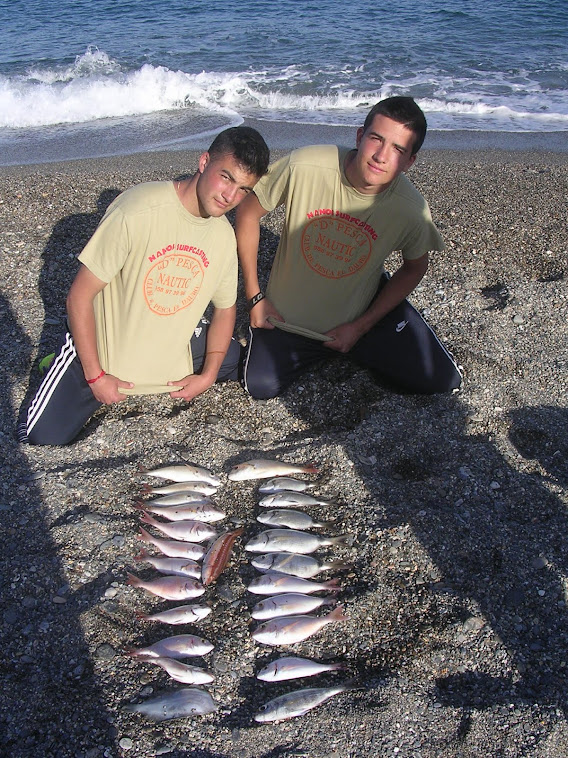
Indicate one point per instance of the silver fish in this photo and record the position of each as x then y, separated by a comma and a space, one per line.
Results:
186, 473
273, 582
289, 499
191, 530
290, 518
291, 629
262, 468
295, 564
297, 703
284, 483
288, 604
292, 667
174, 548
203, 511
174, 566
178, 498
201, 488
183, 673
169, 587
291, 541
190, 701
183, 614
178, 646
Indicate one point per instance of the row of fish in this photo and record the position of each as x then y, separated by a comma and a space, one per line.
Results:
288, 571
287, 578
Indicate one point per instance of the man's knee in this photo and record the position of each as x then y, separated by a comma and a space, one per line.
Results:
260, 385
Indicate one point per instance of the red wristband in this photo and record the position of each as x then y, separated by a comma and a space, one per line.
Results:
100, 376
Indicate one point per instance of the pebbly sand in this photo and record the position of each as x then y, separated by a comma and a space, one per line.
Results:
457, 629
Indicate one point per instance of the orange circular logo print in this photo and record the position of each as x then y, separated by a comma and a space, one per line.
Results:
334, 247
172, 284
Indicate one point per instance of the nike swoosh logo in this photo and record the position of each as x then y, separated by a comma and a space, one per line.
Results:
400, 326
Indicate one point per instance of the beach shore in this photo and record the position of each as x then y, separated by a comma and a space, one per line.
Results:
457, 629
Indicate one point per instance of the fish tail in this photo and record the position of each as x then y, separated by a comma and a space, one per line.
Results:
329, 600
145, 518
337, 614
142, 616
343, 539
310, 468
337, 566
144, 535
138, 504
133, 581
339, 666
332, 584
142, 555
146, 488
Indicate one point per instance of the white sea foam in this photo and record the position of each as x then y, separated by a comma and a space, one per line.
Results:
95, 87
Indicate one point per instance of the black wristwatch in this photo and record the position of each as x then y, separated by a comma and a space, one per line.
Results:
254, 300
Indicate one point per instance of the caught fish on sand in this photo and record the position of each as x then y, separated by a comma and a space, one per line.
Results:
289, 483
217, 556
191, 530
190, 701
292, 541
178, 646
202, 488
263, 468
290, 499
299, 702
182, 672
291, 518
296, 564
292, 667
183, 614
289, 604
202, 511
173, 566
185, 473
173, 548
273, 582
291, 629
169, 587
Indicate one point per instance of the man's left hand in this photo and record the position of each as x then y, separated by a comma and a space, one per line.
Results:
190, 386
344, 337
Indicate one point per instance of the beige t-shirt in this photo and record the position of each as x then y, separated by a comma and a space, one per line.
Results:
163, 267
335, 240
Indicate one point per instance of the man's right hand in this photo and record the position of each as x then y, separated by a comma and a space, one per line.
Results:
261, 312
107, 389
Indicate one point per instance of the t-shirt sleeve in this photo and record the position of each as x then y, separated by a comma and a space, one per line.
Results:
272, 189
422, 237
105, 253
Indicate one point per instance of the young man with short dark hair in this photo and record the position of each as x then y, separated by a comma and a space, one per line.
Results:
161, 254
346, 212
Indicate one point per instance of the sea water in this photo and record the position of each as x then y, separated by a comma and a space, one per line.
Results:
103, 77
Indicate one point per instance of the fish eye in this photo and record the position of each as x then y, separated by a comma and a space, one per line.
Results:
263, 708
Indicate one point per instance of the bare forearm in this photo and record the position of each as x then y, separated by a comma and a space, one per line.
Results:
219, 337
247, 231
81, 319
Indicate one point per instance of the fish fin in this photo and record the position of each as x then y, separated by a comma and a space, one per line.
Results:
343, 539
332, 584
133, 581
337, 614
337, 566
144, 535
